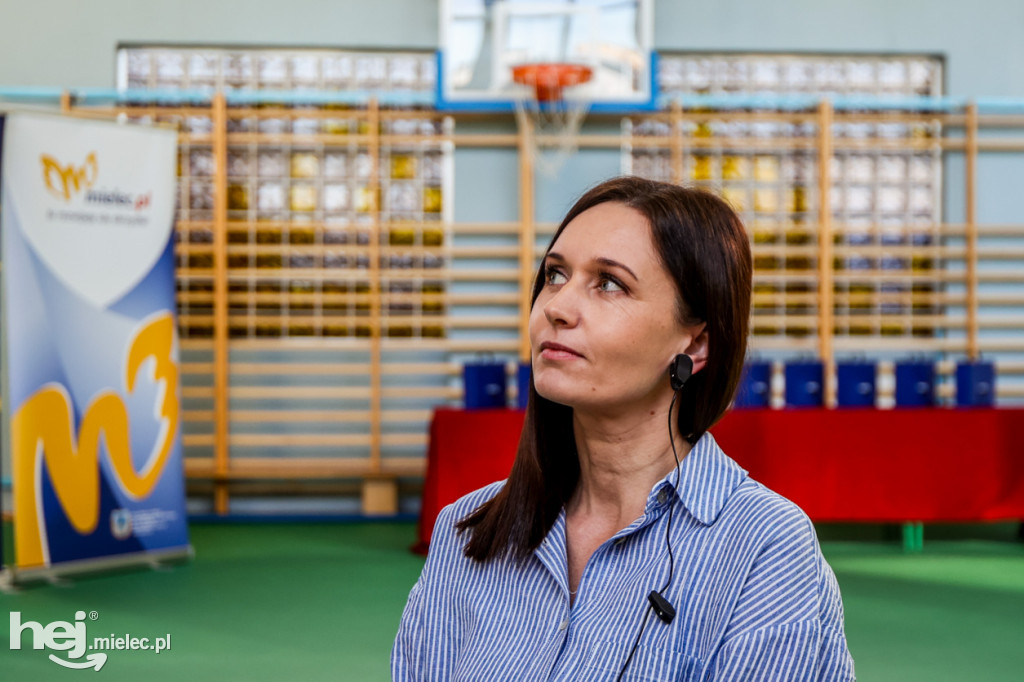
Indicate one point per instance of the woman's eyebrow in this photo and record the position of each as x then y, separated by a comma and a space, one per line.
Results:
606, 262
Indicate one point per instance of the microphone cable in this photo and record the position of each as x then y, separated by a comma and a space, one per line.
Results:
656, 599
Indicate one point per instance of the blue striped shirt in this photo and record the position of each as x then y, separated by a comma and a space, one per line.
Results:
754, 597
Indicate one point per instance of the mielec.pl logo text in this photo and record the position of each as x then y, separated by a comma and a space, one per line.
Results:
72, 639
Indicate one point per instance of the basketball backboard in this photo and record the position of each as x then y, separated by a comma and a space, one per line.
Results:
482, 40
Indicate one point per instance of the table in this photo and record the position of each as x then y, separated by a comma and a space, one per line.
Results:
863, 465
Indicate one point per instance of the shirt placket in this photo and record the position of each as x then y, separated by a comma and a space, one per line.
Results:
655, 507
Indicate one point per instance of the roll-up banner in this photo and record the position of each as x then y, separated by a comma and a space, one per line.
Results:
91, 406
3, 395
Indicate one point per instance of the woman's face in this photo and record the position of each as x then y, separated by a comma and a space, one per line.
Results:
605, 328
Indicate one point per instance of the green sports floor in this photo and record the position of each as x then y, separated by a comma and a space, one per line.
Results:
321, 601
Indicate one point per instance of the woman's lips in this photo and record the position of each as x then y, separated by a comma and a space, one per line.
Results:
556, 351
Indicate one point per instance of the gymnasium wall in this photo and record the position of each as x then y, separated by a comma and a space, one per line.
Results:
68, 43
71, 43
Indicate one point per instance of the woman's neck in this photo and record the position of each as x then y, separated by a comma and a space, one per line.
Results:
621, 459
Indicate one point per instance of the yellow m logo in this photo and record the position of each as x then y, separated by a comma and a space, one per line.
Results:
43, 435
63, 181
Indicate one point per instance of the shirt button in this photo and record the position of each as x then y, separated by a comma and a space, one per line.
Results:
564, 625
662, 496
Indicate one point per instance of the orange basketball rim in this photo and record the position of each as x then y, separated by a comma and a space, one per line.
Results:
549, 78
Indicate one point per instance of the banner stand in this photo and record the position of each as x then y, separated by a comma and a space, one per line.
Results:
4, 397
92, 413
157, 559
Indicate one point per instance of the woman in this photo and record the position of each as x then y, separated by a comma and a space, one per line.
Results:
620, 504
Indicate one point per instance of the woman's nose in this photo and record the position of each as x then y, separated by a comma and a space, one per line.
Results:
562, 309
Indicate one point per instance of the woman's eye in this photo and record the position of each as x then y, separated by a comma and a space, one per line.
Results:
553, 276
608, 284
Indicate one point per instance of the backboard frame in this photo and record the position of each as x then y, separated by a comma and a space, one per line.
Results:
644, 97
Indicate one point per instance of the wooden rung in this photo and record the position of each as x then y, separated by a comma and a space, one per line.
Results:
806, 343
297, 468
196, 367
286, 249
330, 368
150, 111
905, 117
305, 344
991, 275
326, 416
307, 226
1009, 345
197, 392
1010, 366
197, 415
247, 275
935, 321
897, 144
405, 440
444, 251
418, 368
441, 392
809, 321
452, 345
763, 144
298, 440
283, 416
316, 111
896, 343
299, 392
405, 416
491, 228
736, 115
334, 141
197, 439
299, 368
412, 345
508, 228
449, 321
327, 298
1002, 144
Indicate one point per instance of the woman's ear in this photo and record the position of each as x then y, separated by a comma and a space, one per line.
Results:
698, 348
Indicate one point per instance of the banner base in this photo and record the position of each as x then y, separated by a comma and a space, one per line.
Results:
12, 577
7, 582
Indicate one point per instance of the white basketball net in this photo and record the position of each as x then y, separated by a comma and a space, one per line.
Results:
556, 126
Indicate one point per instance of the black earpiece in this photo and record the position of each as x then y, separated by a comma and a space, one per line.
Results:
680, 370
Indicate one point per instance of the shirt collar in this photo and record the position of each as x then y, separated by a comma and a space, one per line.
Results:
707, 478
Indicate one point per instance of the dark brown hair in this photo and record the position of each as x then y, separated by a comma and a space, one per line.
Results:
706, 252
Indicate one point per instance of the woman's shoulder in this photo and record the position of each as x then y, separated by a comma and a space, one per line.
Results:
468, 503
463, 507
761, 513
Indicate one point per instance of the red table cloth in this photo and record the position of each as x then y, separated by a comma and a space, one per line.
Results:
837, 465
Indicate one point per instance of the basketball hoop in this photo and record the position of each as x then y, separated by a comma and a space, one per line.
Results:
548, 113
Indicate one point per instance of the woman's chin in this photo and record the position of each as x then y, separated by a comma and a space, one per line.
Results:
563, 395
571, 396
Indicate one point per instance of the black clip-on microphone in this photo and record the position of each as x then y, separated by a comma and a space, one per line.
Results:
679, 371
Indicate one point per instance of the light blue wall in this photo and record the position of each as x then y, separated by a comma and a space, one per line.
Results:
71, 43
981, 39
